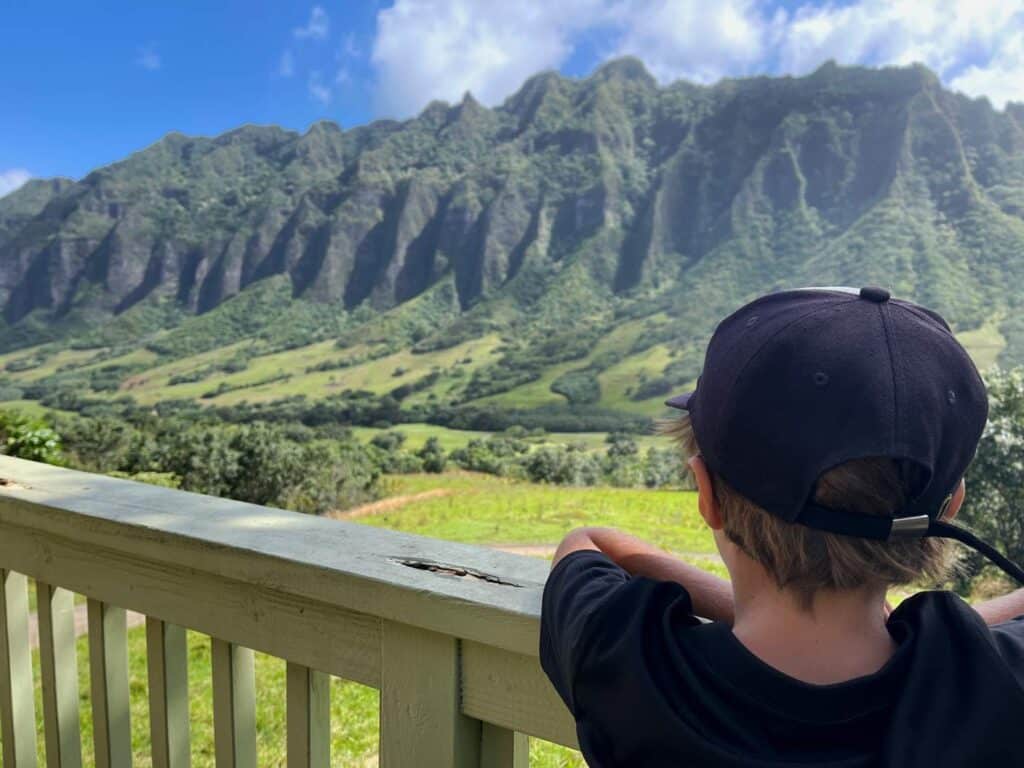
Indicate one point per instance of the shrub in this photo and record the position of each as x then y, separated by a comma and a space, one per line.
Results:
995, 494
562, 465
578, 387
432, 456
28, 439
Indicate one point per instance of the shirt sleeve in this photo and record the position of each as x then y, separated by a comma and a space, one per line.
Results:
1009, 638
573, 595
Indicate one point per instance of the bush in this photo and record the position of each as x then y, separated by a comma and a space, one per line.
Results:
388, 441
28, 439
995, 494
662, 385
562, 465
578, 387
432, 456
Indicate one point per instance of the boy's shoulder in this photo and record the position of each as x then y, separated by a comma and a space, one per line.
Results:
629, 659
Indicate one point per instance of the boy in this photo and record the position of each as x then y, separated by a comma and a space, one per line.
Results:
828, 436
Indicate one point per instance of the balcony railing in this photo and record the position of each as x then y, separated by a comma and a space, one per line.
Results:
446, 632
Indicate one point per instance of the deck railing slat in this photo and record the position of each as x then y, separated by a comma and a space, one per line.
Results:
167, 657
17, 700
502, 748
510, 690
58, 665
322, 636
309, 718
420, 719
234, 705
108, 672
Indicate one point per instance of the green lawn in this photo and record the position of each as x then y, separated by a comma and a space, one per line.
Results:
483, 509
354, 712
984, 344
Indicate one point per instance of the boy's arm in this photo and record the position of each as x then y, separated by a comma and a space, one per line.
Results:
1000, 609
711, 596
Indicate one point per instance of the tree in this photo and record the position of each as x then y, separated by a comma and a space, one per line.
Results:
995, 491
432, 455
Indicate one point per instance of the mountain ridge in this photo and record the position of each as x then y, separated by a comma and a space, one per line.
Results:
570, 208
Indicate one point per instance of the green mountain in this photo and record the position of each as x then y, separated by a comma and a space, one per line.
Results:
580, 240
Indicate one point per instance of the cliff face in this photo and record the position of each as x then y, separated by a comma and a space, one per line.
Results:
844, 176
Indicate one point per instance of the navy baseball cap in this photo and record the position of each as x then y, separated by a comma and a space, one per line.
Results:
801, 381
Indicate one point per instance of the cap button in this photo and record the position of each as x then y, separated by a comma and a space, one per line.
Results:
877, 295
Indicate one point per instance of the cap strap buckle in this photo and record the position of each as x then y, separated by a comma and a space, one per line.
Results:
909, 527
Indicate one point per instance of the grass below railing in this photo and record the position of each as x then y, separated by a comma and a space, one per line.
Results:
354, 712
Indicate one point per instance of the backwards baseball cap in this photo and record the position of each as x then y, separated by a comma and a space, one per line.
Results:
798, 382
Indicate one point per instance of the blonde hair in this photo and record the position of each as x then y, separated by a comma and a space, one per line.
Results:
806, 561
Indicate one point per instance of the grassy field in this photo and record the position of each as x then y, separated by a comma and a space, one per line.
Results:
483, 509
984, 344
269, 376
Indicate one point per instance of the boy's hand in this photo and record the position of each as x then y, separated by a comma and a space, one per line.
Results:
711, 596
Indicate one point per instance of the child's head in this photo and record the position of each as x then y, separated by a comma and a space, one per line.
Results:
832, 430
804, 560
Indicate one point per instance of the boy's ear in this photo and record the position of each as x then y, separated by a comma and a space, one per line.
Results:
706, 501
956, 501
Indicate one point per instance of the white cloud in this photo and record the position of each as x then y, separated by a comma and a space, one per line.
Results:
427, 49
697, 40
318, 27
286, 67
350, 48
318, 91
1001, 78
12, 179
939, 33
148, 58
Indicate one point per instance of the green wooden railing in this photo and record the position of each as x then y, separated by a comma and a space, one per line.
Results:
446, 632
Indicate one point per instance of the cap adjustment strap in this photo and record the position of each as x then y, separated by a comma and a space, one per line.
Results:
893, 529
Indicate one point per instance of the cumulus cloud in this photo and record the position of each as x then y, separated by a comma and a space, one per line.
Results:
317, 28
148, 58
13, 179
1001, 78
318, 91
939, 33
697, 40
427, 49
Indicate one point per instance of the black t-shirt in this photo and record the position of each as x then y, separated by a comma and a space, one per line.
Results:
650, 685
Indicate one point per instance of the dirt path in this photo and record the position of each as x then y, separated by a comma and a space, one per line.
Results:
387, 505
81, 623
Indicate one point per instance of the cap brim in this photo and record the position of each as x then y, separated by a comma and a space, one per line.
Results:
682, 402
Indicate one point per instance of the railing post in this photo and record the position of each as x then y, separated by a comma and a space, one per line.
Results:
234, 705
309, 718
502, 748
17, 698
108, 666
167, 657
421, 722
58, 665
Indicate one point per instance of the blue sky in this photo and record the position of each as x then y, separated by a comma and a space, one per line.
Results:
87, 83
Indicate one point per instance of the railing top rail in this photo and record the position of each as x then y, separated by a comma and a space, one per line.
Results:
471, 592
